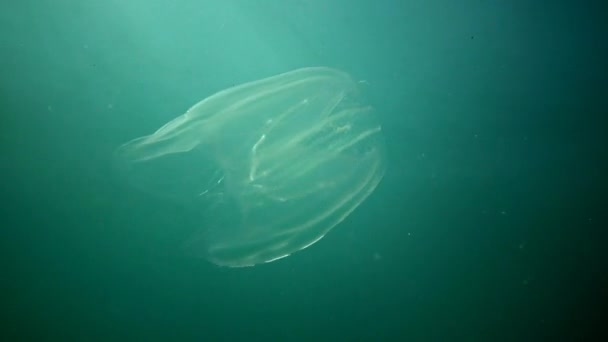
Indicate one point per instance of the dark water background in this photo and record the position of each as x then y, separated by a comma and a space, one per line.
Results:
487, 226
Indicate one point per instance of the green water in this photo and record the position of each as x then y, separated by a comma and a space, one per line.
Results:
486, 226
